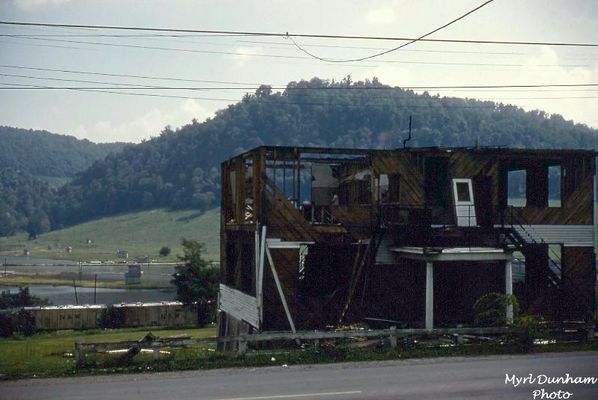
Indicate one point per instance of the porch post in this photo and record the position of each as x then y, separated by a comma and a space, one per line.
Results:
509, 288
429, 295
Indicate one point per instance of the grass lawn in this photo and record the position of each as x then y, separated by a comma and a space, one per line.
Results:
43, 354
141, 234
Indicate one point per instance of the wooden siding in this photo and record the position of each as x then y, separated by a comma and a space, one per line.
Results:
285, 221
318, 298
579, 269
357, 220
411, 179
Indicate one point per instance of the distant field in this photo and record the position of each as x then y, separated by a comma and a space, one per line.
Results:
50, 353
141, 234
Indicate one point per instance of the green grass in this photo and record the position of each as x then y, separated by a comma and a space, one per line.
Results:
43, 354
141, 234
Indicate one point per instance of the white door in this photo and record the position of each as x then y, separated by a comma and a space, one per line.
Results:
464, 204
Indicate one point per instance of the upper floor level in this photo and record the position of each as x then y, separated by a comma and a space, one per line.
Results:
312, 194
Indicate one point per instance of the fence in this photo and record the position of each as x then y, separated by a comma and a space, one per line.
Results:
393, 334
241, 341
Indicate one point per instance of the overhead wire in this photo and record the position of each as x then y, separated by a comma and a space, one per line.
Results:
379, 54
149, 77
112, 89
302, 35
252, 86
280, 56
271, 44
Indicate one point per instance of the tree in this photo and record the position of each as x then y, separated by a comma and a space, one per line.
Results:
491, 309
164, 251
38, 224
196, 280
21, 299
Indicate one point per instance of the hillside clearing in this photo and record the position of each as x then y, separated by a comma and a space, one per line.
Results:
140, 234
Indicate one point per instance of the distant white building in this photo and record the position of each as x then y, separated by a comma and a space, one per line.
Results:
122, 254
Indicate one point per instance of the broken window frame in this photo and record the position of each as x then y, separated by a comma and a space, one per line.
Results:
555, 179
523, 181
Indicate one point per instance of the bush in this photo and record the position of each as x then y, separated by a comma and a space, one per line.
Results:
112, 317
23, 323
529, 328
195, 279
21, 299
491, 309
5, 325
206, 312
164, 251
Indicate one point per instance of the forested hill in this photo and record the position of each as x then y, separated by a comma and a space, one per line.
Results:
45, 154
181, 169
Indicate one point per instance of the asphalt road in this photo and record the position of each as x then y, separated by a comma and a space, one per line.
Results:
441, 378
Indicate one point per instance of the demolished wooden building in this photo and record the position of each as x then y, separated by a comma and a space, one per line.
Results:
316, 236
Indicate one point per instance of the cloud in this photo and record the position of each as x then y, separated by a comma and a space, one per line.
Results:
244, 54
30, 5
381, 16
543, 66
149, 124
579, 104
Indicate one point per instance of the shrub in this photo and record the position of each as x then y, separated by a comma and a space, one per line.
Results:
491, 309
112, 317
529, 328
5, 324
206, 312
23, 323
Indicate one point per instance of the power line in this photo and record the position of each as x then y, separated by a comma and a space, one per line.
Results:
270, 43
381, 48
115, 35
255, 85
106, 90
389, 50
162, 48
274, 87
70, 71
77, 80
147, 87
301, 35
279, 56
47, 45
287, 100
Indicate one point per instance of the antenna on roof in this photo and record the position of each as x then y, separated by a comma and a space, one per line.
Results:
409, 138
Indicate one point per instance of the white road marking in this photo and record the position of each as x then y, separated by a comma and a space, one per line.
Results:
294, 396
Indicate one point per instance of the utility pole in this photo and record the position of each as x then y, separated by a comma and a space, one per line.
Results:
95, 288
76, 296
409, 138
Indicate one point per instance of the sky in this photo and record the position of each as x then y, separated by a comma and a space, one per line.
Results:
239, 63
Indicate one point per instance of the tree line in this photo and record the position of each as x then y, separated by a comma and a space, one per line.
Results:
181, 168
